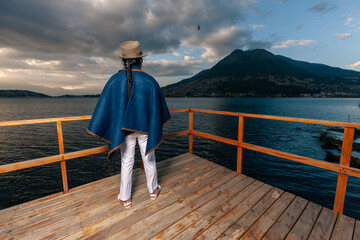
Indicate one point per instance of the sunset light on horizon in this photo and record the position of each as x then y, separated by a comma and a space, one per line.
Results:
71, 47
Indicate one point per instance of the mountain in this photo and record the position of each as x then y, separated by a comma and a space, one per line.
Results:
261, 73
322, 69
21, 94
30, 94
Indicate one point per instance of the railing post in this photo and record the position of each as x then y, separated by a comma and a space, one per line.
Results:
61, 151
190, 131
344, 162
239, 148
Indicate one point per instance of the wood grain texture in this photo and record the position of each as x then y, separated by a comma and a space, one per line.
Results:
46, 160
62, 151
324, 225
216, 138
259, 229
357, 230
200, 199
191, 137
305, 223
240, 218
45, 120
344, 228
234, 186
281, 228
239, 161
345, 159
247, 198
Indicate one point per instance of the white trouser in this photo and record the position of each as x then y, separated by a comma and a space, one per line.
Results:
127, 163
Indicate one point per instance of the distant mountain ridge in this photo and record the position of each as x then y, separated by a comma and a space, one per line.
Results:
322, 69
251, 73
21, 94
261, 73
31, 94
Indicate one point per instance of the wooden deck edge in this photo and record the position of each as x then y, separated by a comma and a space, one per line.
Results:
186, 209
78, 188
108, 181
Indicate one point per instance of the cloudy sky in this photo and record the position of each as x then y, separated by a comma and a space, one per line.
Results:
71, 46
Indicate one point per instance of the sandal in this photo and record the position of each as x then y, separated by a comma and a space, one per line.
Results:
155, 194
127, 204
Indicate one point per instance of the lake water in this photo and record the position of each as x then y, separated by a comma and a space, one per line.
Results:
19, 143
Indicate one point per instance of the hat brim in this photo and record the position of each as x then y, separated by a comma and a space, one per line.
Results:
132, 57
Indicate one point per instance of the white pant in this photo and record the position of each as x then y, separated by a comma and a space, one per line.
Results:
127, 163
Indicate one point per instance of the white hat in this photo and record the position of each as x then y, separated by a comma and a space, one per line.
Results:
131, 49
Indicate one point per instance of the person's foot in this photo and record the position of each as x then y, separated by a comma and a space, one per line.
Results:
127, 204
156, 193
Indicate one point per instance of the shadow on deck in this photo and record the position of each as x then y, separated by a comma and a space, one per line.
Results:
200, 199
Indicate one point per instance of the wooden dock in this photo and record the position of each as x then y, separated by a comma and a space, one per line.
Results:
200, 199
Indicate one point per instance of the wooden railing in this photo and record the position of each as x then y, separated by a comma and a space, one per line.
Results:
62, 156
343, 169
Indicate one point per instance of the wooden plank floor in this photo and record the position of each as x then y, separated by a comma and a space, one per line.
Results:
200, 199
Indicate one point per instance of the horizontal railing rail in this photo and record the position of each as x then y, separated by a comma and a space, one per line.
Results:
45, 120
343, 169
62, 156
51, 159
288, 119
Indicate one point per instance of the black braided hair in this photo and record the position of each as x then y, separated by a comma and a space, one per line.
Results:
128, 63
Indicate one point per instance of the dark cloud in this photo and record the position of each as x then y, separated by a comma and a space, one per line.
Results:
73, 27
220, 42
322, 8
225, 40
87, 28
171, 68
75, 43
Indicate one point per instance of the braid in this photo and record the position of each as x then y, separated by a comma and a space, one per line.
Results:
128, 63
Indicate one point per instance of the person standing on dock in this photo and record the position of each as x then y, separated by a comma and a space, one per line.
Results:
131, 108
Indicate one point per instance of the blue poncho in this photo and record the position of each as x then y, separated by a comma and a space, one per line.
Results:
116, 114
